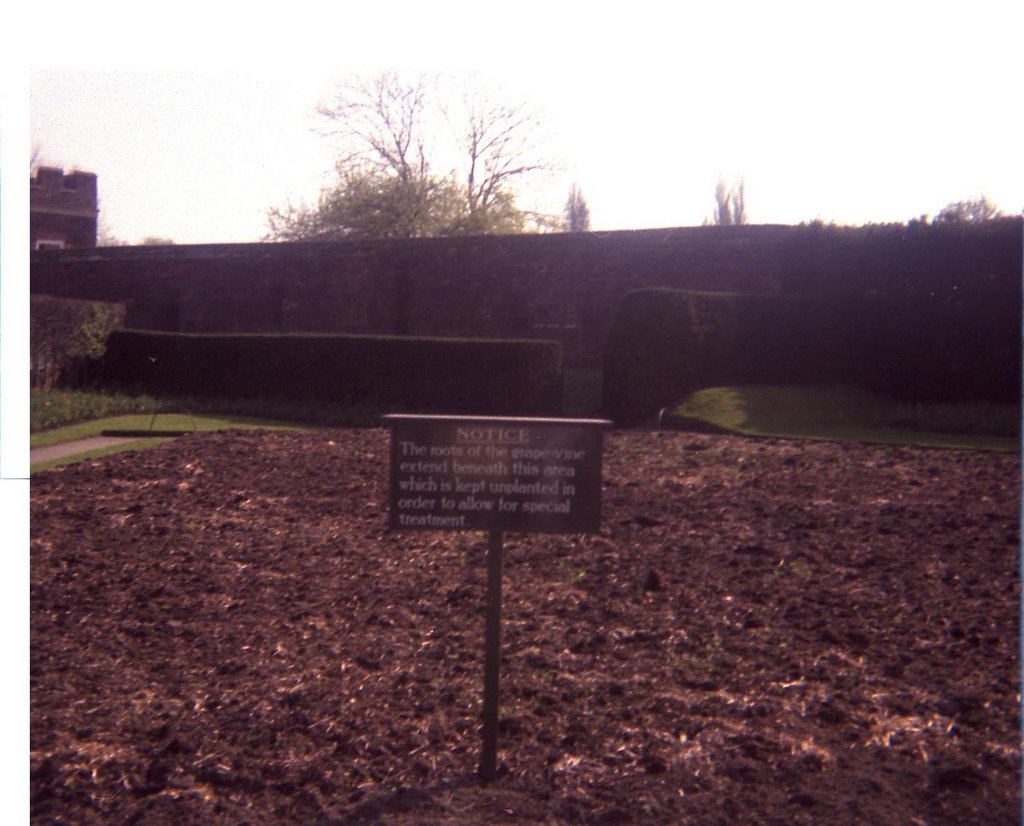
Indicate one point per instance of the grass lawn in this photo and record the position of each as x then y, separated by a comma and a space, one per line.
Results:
838, 413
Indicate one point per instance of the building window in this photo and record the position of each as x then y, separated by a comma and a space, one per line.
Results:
49, 245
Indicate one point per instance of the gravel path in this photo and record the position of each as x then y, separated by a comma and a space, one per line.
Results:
46, 454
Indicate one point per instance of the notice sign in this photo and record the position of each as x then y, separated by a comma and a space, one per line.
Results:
496, 474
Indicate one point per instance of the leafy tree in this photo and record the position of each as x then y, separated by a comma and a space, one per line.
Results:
66, 333
387, 185
577, 213
730, 205
369, 203
106, 238
971, 211
156, 241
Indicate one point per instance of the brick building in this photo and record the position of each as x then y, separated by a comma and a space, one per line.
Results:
63, 209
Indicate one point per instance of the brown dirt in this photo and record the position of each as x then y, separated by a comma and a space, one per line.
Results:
225, 632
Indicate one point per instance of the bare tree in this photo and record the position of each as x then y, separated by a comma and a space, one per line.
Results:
392, 145
497, 143
380, 123
577, 213
730, 204
739, 203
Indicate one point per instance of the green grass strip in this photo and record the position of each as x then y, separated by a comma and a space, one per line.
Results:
849, 414
165, 421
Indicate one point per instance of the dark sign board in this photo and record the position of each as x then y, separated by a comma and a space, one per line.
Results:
496, 474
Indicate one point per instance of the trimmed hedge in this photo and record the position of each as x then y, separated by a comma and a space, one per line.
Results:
921, 312
473, 376
929, 342
664, 344
912, 342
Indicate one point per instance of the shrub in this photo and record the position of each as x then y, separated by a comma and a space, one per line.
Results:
68, 337
56, 408
481, 376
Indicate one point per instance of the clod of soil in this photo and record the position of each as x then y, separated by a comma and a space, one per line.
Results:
224, 631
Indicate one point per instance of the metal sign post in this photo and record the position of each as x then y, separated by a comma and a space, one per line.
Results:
496, 475
492, 660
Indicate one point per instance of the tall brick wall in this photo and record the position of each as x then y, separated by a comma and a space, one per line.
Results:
561, 286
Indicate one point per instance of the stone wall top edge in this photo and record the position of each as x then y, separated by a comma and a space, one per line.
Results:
622, 239
302, 248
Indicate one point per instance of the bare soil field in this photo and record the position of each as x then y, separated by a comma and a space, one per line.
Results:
224, 631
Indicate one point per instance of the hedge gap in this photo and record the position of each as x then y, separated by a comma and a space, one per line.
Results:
914, 341
666, 343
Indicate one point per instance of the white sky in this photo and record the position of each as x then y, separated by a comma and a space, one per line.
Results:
876, 111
